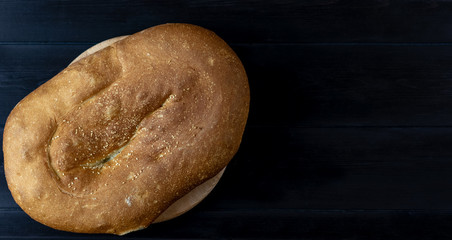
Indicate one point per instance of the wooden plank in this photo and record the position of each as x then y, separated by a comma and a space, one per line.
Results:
263, 224
296, 85
333, 168
339, 168
236, 21
38, 57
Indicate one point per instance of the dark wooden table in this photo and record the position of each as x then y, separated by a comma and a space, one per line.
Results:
350, 127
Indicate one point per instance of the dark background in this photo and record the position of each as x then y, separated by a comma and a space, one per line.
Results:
350, 127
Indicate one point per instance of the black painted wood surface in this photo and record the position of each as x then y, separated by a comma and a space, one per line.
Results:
350, 127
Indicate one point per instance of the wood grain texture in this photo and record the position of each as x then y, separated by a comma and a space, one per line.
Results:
333, 168
266, 224
349, 131
318, 85
235, 21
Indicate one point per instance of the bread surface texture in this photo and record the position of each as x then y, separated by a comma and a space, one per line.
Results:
114, 139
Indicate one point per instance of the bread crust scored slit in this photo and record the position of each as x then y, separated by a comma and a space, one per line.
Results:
112, 141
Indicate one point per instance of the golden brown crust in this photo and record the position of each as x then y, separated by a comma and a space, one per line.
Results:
114, 139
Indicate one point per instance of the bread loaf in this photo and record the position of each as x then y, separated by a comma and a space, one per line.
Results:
114, 139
